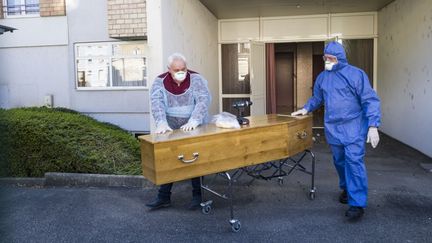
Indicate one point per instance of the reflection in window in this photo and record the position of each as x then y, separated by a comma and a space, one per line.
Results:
235, 68
111, 65
243, 67
93, 50
128, 49
93, 72
129, 72
359, 53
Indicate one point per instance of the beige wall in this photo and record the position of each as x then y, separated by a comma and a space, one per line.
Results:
188, 27
36, 31
405, 72
299, 28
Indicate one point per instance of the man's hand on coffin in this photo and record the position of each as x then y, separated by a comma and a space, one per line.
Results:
191, 125
163, 128
300, 112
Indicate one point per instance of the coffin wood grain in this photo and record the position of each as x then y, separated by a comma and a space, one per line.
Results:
267, 138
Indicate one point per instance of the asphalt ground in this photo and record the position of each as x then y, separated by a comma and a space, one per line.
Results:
400, 208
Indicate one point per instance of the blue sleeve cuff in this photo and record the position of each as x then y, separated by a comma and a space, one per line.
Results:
374, 124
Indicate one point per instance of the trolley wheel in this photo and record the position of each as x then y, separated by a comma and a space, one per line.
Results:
206, 209
280, 181
235, 225
311, 195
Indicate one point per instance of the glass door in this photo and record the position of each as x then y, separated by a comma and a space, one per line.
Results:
235, 63
243, 77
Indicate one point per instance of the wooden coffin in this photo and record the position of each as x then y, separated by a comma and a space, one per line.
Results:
182, 155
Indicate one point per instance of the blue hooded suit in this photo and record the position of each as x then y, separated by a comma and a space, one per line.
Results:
351, 107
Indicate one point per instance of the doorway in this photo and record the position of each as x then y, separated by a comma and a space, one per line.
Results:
284, 82
292, 68
279, 77
291, 71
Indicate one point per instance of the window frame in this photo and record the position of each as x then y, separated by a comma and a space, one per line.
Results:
110, 57
23, 14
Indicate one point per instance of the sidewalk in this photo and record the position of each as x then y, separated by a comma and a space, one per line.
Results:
400, 208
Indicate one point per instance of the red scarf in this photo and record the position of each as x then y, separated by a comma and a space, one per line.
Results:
172, 86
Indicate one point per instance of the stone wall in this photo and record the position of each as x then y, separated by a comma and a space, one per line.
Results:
127, 19
49, 8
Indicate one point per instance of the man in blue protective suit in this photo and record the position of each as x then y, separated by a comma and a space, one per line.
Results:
179, 100
352, 117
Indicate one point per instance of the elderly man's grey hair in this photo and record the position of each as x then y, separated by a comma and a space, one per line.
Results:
176, 56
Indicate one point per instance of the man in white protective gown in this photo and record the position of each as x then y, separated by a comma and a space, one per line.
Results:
179, 100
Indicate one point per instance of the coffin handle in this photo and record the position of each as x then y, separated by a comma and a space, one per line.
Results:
195, 157
302, 135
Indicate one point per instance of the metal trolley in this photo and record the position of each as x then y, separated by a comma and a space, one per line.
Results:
266, 171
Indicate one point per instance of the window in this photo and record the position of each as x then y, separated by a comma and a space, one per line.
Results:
235, 68
13, 8
360, 53
235, 76
111, 65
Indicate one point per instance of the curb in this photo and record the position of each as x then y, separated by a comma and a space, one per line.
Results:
79, 180
22, 181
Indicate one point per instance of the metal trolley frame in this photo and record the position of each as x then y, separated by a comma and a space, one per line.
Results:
266, 171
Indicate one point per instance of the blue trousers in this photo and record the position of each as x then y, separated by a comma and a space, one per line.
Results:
165, 189
349, 163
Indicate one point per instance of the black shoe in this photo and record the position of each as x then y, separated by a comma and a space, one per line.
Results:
159, 203
343, 197
354, 213
195, 203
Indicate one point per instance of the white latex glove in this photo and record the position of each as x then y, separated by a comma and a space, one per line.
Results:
191, 125
373, 137
300, 112
163, 128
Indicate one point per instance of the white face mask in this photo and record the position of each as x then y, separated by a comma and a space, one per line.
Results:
180, 75
329, 65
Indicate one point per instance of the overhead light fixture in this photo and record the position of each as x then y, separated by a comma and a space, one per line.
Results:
298, 6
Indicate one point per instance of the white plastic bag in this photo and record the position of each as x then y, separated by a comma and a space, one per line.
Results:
226, 120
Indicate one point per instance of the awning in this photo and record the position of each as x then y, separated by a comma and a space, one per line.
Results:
232, 9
